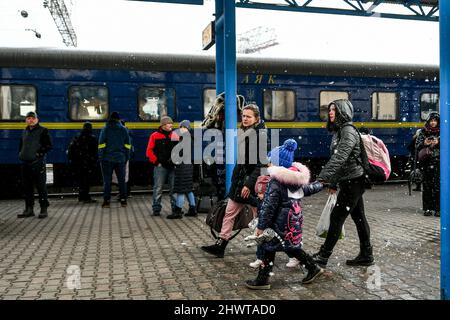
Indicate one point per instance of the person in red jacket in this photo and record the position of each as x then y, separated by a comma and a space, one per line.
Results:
159, 149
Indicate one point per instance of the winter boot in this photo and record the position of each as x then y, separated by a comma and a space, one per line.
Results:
321, 257
262, 280
43, 213
176, 214
313, 269
428, 213
364, 258
106, 204
313, 273
217, 249
192, 212
28, 212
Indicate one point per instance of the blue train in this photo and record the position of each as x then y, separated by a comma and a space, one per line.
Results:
67, 88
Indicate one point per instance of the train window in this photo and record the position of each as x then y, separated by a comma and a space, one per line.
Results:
279, 104
209, 96
155, 102
16, 101
88, 103
428, 102
384, 105
328, 96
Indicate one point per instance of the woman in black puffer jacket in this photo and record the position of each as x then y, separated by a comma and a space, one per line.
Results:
344, 170
429, 140
245, 174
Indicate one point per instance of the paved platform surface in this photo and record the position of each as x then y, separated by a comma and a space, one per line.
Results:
124, 253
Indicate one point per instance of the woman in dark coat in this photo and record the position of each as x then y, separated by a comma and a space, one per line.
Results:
82, 154
183, 184
245, 174
344, 170
282, 212
427, 144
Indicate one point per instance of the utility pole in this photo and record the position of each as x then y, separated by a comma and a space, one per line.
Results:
61, 16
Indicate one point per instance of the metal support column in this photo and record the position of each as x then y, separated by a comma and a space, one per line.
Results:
226, 77
444, 26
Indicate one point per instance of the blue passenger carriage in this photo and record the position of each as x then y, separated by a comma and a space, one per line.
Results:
67, 88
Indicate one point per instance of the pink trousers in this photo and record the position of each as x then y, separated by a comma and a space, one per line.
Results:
231, 212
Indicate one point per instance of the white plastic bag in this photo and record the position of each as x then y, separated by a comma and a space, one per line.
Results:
324, 220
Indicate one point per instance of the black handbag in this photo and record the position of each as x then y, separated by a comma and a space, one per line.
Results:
205, 193
205, 203
215, 216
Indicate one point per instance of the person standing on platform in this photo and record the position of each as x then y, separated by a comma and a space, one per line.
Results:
83, 156
159, 150
184, 183
427, 145
114, 151
33, 147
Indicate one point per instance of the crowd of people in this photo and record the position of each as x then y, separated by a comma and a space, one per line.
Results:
273, 190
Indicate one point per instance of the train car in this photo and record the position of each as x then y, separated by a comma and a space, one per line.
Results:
68, 87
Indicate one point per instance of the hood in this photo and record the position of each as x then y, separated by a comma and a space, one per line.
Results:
429, 130
344, 114
433, 115
290, 177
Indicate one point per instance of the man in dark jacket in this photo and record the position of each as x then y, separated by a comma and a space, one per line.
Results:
114, 151
344, 169
83, 155
33, 147
159, 150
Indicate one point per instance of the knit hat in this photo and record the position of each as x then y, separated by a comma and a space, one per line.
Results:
185, 124
261, 184
165, 120
114, 116
31, 114
283, 155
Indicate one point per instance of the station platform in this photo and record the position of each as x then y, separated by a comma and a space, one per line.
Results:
125, 253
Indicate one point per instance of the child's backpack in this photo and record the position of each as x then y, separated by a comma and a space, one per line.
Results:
375, 158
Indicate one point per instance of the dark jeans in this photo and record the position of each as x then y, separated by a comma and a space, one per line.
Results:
349, 201
107, 171
431, 187
160, 175
34, 174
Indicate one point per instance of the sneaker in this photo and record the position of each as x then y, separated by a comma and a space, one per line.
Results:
437, 214
123, 203
428, 213
292, 263
106, 204
156, 213
90, 201
255, 264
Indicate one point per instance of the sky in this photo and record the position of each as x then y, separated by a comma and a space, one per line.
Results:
138, 26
